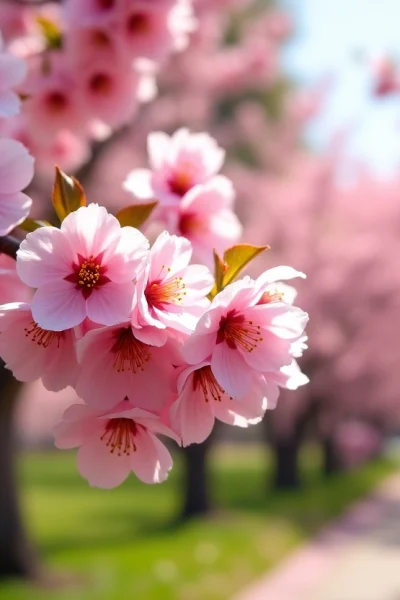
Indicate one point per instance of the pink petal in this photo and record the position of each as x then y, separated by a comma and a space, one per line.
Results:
91, 230
231, 371
199, 347
16, 166
191, 415
44, 256
127, 257
58, 305
169, 252
99, 466
157, 147
138, 182
210, 198
12, 69
76, 426
111, 303
62, 368
151, 462
10, 104
14, 208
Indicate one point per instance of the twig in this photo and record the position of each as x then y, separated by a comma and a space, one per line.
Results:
9, 245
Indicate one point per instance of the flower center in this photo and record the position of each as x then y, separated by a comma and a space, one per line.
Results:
171, 291
100, 38
180, 182
119, 436
138, 23
236, 331
56, 101
88, 274
191, 223
43, 337
106, 4
129, 353
205, 379
100, 83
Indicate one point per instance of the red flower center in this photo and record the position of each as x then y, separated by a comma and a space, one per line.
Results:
43, 337
181, 182
100, 83
138, 23
171, 291
100, 38
88, 274
106, 4
205, 379
119, 436
129, 353
56, 101
191, 223
236, 331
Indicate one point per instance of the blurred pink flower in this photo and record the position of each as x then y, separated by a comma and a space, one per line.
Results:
11, 287
178, 163
240, 337
171, 294
85, 269
201, 400
16, 172
12, 72
115, 443
31, 352
117, 364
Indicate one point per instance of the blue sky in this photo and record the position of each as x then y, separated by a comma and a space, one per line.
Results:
338, 38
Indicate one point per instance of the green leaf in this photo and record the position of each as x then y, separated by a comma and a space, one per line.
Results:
219, 272
31, 225
136, 214
237, 258
68, 194
51, 32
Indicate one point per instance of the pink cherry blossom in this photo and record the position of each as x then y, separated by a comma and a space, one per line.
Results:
178, 163
115, 443
241, 336
116, 363
16, 172
31, 352
85, 269
11, 287
170, 292
206, 218
201, 400
12, 73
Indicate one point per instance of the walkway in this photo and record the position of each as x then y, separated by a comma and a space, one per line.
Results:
357, 558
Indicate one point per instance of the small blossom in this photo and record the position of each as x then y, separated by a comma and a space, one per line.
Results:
115, 443
170, 292
31, 352
116, 362
201, 400
240, 336
178, 163
85, 269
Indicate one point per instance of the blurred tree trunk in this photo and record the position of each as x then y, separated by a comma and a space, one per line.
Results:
196, 485
330, 459
286, 451
16, 556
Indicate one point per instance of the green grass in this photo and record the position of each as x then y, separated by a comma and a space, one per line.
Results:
123, 543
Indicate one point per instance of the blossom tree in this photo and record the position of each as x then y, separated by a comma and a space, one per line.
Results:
153, 342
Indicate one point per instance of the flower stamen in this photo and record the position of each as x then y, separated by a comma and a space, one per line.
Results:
43, 337
204, 378
119, 436
129, 353
236, 331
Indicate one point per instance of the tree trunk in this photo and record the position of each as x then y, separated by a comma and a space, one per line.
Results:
16, 556
196, 492
286, 454
330, 459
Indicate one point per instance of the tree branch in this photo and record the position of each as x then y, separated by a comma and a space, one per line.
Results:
9, 245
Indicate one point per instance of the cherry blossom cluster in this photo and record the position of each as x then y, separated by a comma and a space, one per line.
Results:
193, 199
16, 164
145, 341
90, 63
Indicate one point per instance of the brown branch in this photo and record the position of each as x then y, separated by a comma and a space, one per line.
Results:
9, 245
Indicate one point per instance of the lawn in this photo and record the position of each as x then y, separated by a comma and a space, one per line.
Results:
124, 543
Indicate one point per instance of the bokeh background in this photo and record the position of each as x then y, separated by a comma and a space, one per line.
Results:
304, 96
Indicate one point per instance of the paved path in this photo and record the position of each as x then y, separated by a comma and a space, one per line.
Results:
356, 558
